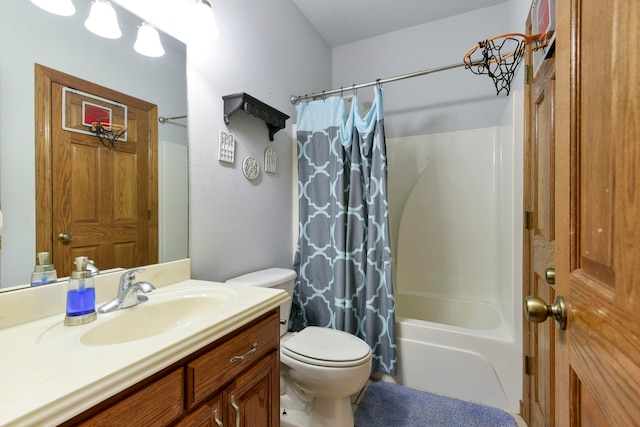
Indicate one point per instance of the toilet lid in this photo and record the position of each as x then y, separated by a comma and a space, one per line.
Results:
328, 347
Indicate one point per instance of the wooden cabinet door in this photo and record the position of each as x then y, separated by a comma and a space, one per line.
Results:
253, 399
209, 414
598, 206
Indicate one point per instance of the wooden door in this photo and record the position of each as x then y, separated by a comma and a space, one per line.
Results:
254, 398
539, 241
104, 198
598, 194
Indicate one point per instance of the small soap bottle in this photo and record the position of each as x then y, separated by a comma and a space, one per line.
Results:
44, 272
81, 295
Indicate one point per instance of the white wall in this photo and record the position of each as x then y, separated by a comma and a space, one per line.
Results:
173, 201
30, 35
270, 51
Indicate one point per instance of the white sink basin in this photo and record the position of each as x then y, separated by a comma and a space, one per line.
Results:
167, 310
145, 320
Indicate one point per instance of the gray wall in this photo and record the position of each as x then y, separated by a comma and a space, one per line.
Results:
270, 51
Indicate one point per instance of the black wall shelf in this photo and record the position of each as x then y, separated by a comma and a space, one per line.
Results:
274, 119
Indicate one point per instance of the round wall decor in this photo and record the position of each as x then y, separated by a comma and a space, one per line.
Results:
250, 168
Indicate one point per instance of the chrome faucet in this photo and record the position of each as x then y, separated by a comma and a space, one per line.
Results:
91, 266
128, 295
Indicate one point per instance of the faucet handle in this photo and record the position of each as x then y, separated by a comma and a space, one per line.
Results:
128, 277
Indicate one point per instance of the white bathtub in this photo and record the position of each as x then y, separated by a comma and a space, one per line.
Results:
457, 348
448, 311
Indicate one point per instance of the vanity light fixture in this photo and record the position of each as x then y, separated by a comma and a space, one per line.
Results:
103, 20
57, 7
205, 18
148, 41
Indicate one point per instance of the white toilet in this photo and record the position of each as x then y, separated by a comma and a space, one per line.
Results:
320, 368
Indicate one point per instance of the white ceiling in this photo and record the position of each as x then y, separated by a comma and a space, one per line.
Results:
345, 21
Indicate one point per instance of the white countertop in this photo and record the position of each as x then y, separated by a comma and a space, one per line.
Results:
47, 375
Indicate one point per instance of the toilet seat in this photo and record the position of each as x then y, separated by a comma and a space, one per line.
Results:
326, 347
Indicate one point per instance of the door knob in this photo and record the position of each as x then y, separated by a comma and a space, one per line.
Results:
550, 275
537, 311
64, 237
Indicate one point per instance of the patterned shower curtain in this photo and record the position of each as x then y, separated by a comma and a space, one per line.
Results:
343, 257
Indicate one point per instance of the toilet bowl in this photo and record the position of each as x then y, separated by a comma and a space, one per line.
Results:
330, 366
320, 367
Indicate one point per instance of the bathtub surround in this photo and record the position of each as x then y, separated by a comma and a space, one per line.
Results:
455, 201
387, 404
343, 258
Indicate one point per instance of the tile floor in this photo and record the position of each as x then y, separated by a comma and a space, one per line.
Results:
356, 398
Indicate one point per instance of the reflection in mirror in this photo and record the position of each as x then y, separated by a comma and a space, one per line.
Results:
32, 36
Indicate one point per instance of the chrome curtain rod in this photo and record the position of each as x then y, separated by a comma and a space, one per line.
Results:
166, 119
296, 99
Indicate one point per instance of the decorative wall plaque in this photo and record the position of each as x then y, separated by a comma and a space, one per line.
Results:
270, 160
250, 168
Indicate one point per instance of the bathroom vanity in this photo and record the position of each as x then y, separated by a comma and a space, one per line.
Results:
232, 382
197, 353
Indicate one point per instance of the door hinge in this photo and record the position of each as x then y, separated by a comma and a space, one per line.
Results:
528, 74
149, 135
528, 365
528, 220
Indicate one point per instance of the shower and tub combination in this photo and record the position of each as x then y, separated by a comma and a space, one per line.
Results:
455, 203
456, 226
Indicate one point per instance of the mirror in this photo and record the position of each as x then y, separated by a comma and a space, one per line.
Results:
30, 35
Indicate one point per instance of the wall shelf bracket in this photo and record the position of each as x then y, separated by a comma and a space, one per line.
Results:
274, 119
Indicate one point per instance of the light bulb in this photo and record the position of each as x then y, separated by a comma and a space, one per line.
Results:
148, 41
103, 21
204, 19
58, 7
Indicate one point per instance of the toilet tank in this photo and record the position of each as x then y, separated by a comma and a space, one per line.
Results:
278, 278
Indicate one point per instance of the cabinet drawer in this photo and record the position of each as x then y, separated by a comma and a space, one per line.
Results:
209, 372
157, 404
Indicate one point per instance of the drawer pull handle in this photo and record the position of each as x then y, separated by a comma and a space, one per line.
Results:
237, 409
254, 348
216, 418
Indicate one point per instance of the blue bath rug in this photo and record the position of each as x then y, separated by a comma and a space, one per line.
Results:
390, 405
